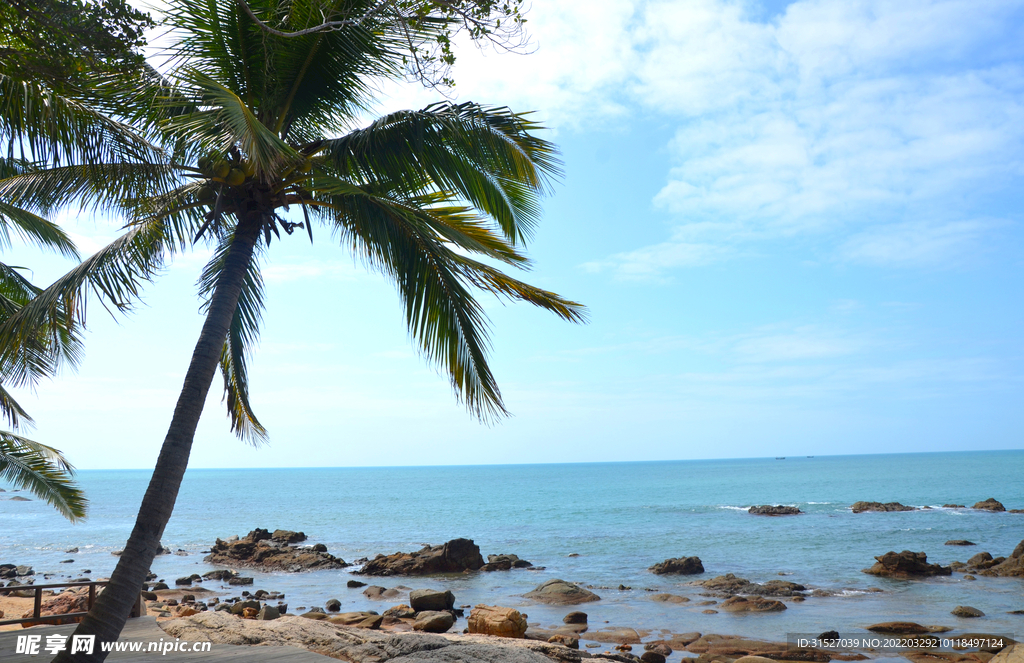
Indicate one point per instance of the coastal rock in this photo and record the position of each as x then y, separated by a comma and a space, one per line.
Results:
991, 504
669, 598
570, 641
432, 621
1004, 567
967, 611
730, 585
1012, 654
428, 599
860, 507
953, 506
778, 510
678, 566
455, 556
377, 593
19, 498
333, 605
618, 635
652, 657
68, 601
268, 612
712, 646
899, 628
505, 562
751, 604
960, 542
352, 644
494, 620
560, 592
355, 583
575, 617
266, 551
906, 564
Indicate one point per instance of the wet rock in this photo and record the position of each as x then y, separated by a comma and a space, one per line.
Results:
355, 583
560, 592
570, 641
71, 551
429, 599
991, 504
652, 657
778, 510
377, 593
953, 506
669, 598
861, 507
751, 604
495, 620
575, 617
333, 605
239, 607
616, 635
960, 542
433, 621
239, 581
504, 562
730, 585
23, 570
967, 611
19, 498
1008, 567
678, 565
400, 611
266, 551
906, 564
319, 547
455, 556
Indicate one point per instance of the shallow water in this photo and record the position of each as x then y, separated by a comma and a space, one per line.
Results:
618, 517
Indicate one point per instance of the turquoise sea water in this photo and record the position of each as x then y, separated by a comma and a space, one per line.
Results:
618, 517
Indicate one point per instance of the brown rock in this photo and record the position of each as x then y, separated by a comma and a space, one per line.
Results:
669, 598
991, 504
433, 621
899, 628
860, 507
615, 634
1011, 654
575, 617
68, 601
494, 620
730, 585
264, 551
906, 564
652, 657
960, 542
678, 566
751, 604
560, 592
967, 611
455, 556
778, 510
570, 641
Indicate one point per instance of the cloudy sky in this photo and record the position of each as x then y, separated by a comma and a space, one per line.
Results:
797, 227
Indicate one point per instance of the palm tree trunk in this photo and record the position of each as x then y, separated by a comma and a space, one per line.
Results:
114, 604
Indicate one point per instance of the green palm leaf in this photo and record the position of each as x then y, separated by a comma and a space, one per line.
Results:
43, 471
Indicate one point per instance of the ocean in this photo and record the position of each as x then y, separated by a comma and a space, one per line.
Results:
616, 518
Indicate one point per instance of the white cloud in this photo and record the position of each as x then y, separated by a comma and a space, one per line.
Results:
836, 114
919, 243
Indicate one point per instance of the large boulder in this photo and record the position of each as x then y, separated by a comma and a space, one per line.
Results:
1006, 567
433, 621
494, 620
429, 599
860, 507
1012, 654
778, 510
991, 504
455, 556
906, 564
560, 592
678, 565
266, 551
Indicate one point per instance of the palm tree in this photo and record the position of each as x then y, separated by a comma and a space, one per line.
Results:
254, 124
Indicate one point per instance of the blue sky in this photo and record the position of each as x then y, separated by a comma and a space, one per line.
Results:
796, 225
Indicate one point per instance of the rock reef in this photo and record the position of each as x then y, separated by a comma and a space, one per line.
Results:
984, 564
861, 507
906, 564
266, 551
777, 510
678, 566
455, 556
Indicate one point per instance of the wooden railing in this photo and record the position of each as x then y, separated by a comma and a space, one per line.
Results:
59, 619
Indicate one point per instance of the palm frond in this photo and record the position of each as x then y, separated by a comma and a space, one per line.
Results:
46, 126
242, 337
486, 155
43, 471
42, 336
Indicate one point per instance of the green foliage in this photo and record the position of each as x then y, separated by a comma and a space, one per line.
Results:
58, 42
43, 471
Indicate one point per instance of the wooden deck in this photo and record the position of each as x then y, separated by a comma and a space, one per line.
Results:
145, 630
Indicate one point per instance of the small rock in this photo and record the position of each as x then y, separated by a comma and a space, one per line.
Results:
778, 510
71, 551
861, 507
333, 605
431, 600
678, 565
575, 617
494, 620
967, 611
560, 592
651, 656
960, 542
570, 641
356, 583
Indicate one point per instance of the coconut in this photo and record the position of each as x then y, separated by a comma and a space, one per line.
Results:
235, 177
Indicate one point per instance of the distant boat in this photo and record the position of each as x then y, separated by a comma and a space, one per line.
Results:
780, 458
